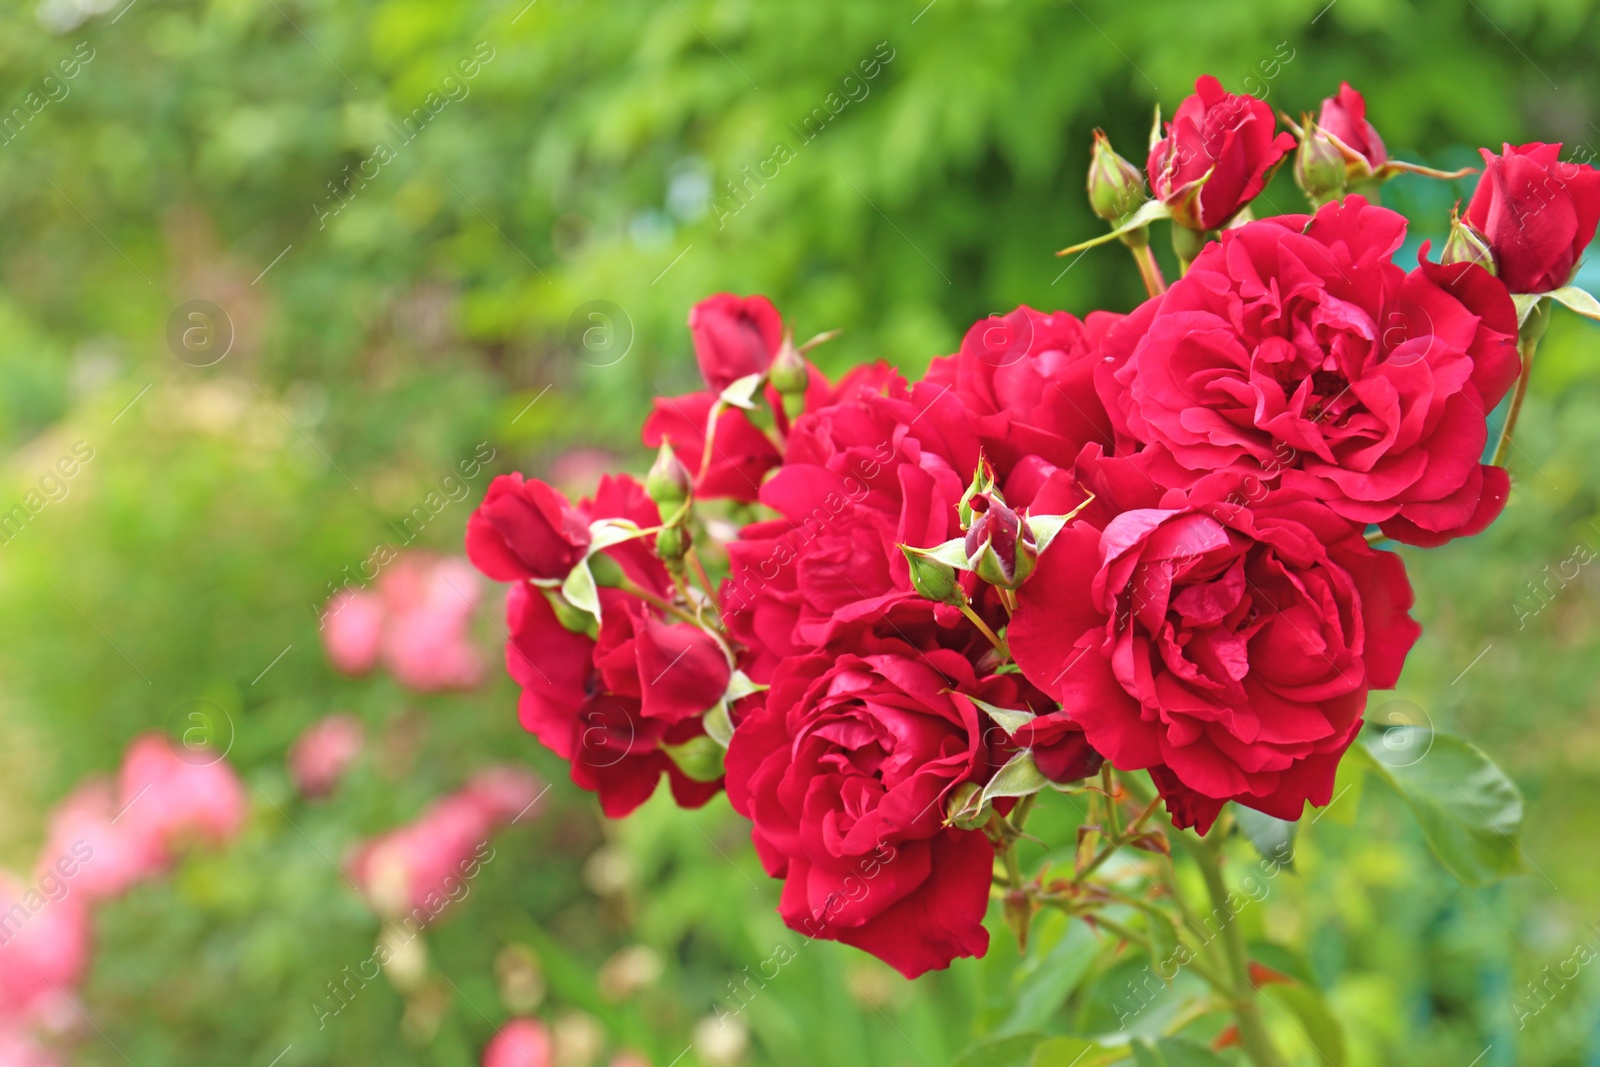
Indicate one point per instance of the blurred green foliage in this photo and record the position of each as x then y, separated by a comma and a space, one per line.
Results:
200, 152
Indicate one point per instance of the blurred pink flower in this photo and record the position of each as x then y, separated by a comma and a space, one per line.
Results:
90, 850
428, 863
352, 628
520, 1043
44, 950
167, 799
322, 754
417, 622
18, 1048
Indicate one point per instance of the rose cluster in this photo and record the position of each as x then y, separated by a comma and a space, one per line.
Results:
1146, 539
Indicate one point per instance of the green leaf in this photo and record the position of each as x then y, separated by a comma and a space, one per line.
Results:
741, 394
1316, 1024
740, 686
580, 590
1010, 721
1014, 1051
1073, 1052
604, 533
1178, 1052
1018, 778
719, 727
1469, 810
1578, 300
1046, 527
1149, 212
1273, 838
1044, 982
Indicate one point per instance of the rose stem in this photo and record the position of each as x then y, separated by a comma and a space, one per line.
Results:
1149, 270
1527, 344
705, 583
1109, 784
1253, 1036
983, 627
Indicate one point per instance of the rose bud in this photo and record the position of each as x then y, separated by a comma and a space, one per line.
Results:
525, 529
967, 810
1116, 188
1319, 166
1000, 546
935, 581
1467, 245
1218, 152
668, 483
734, 337
1344, 124
791, 377
1537, 213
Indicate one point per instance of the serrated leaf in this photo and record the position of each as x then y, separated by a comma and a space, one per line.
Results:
1470, 812
580, 591
1317, 1024
1273, 838
1578, 300
1150, 211
952, 553
719, 727
741, 394
1020, 777
1010, 721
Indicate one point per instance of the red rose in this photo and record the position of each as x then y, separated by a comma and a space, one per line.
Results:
1296, 350
1217, 155
585, 701
845, 773
734, 337
1345, 117
1232, 645
525, 529
863, 476
1538, 213
1027, 378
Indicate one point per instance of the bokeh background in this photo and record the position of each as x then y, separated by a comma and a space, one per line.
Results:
516, 271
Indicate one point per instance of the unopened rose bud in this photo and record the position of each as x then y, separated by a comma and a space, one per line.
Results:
790, 376
672, 543
1467, 245
1319, 166
1116, 187
982, 482
933, 580
1000, 546
967, 809
574, 620
669, 482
